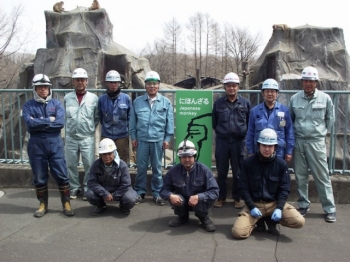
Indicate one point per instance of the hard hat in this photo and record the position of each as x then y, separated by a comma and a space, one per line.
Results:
106, 146
41, 80
80, 73
309, 73
152, 76
231, 78
186, 148
268, 136
270, 84
112, 76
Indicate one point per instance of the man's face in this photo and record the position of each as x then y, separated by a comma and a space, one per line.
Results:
152, 88
80, 84
231, 89
309, 86
270, 95
42, 91
266, 150
107, 158
187, 161
113, 86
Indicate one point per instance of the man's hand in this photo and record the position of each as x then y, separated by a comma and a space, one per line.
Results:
175, 200
108, 198
288, 158
193, 200
165, 145
255, 212
134, 143
276, 215
52, 118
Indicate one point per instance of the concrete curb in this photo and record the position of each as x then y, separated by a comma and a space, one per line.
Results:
20, 176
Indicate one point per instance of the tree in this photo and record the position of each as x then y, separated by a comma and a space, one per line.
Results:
172, 32
242, 44
13, 38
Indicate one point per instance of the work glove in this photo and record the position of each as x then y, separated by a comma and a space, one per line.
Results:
255, 212
276, 215
52, 118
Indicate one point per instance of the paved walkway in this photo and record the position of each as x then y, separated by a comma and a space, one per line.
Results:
144, 235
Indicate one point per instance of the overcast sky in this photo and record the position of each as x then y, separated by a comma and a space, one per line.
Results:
138, 22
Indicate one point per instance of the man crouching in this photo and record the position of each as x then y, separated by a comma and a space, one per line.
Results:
190, 186
110, 180
264, 185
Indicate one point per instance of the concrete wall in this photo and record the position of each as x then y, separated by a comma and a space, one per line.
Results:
20, 176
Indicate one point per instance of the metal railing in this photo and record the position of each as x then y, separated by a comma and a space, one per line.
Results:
13, 131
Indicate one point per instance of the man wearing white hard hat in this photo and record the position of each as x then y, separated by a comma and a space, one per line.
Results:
312, 114
230, 118
110, 180
264, 184
114, 109
271, 114
81, 121
44, 119
190, 186
151, 128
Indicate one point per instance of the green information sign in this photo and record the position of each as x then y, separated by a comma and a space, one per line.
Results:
193, 121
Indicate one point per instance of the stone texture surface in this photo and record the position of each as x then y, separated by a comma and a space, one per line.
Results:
82, 38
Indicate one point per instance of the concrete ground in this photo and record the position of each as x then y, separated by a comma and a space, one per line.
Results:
144, 235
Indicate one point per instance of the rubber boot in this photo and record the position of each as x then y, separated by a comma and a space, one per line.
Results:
65, 199
42, 195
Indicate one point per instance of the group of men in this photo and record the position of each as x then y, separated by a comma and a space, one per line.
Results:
271, 132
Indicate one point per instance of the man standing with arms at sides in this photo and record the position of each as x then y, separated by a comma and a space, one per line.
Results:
81, 121
151, 128
271, 114
230, 121
114, 110
44, 119
312, 113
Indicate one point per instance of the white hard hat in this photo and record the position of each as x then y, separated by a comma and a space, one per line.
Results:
186, 148
231, 78
309, 73
112, 76
268, 136
106, 146
152, 76
79, 73
270, 84
41, 80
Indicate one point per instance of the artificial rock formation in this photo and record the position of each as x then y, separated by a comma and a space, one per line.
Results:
290, 50
83, 38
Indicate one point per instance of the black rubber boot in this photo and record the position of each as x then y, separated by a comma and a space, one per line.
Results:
42, 195
65, 199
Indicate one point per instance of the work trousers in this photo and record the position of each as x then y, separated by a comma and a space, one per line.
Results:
312, 155
74, 147
200, 210
127, 200
228, 152
149, 151
44, 152
245, 223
